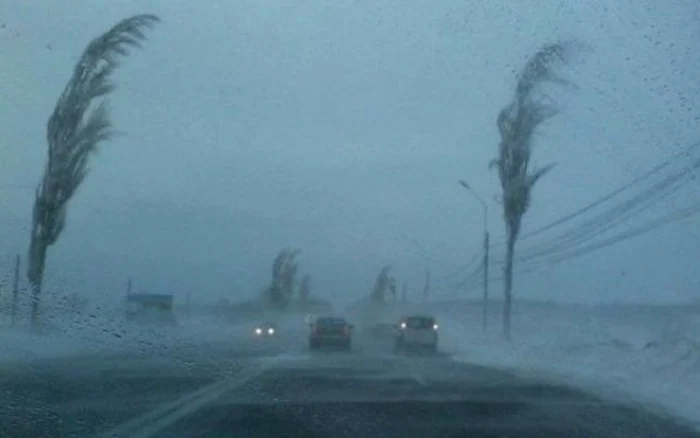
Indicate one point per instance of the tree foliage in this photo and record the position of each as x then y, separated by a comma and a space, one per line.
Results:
305, 288
284, 271
381, 285
74, 131
517, 123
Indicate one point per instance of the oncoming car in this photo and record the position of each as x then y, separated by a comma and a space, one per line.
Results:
418, 331
330, 331
265, 330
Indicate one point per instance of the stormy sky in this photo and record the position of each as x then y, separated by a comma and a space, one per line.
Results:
341, 128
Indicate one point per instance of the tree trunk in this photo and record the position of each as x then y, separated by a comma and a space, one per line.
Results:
35, 273
508, 297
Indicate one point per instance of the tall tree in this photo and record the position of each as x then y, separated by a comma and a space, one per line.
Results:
517, 122
392, 289
284, 270
74, 131
305, 288
381, 285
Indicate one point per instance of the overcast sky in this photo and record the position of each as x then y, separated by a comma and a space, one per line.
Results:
342, 127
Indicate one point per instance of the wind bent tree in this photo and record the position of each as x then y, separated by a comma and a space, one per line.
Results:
74, 131
284, 270
517, 122
381, 285
305, 288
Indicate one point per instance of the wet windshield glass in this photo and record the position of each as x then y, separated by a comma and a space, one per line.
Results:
420, 323
349, 218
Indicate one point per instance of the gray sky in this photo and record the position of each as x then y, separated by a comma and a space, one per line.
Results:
342, 127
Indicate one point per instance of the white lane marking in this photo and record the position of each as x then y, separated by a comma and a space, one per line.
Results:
123, 430
171, 417
184, 405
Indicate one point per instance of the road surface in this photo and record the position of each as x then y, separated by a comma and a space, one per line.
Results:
274, 390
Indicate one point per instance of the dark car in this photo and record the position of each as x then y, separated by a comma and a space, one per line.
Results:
330, 331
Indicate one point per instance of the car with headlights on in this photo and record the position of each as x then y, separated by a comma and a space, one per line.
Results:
416, 331
265, 330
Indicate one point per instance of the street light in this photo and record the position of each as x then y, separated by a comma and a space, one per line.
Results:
486, 250
478, 198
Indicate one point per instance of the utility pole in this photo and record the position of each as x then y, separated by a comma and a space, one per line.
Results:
15, 291
486, 252
426, 288
486, 280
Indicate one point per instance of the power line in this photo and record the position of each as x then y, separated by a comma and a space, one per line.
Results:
619, 237
595, 203
476, 273
655, 170
611, 218
572, 243
634, 232
464, 267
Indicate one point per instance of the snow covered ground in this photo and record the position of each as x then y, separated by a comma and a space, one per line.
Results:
645, 354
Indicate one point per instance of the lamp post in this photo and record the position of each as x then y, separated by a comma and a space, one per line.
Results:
486, 251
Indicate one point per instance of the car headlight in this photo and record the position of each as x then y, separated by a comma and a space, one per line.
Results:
271, 331
403, 325
435, 326
258, 331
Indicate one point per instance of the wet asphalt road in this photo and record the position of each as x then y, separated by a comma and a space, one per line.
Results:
249, 390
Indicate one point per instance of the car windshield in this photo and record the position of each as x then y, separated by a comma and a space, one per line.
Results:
331, 321
209, 210
420, 322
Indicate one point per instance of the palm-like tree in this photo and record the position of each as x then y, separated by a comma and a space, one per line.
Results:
284, 270
74, 131
305, 288
381, 285
517, 122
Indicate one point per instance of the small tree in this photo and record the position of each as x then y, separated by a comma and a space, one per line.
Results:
284, 270
381, 285
517, 122
73, 133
